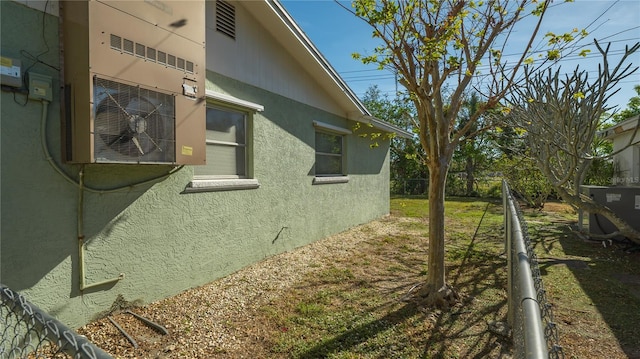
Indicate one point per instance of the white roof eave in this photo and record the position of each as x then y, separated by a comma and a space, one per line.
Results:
620, 128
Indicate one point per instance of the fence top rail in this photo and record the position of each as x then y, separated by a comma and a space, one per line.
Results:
48, 327
526, 288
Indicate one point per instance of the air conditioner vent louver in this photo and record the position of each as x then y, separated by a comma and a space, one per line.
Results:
140, 50
116, 42
127, 46
151, 54
162, 57
133, 124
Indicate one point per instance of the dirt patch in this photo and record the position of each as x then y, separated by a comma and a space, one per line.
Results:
558, 207
220, 318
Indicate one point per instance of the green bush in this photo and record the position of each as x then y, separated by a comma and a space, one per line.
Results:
526, 179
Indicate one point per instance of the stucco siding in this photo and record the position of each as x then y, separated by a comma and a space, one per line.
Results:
161, 238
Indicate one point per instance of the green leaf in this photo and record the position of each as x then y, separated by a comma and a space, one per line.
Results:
584, 53
553, 54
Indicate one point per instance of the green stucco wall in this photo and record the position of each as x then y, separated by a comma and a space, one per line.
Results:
163, 239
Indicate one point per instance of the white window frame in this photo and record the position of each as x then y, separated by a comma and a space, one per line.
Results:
209, 183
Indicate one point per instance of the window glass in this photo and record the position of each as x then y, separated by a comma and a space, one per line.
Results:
326, 143
328, 154
225, 125
226, 144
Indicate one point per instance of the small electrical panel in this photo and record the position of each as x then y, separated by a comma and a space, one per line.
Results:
40, 87
10, 72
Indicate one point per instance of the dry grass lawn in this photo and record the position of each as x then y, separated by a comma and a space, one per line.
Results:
346, 296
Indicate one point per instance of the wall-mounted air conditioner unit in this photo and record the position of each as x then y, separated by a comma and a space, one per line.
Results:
134, 75
623, 201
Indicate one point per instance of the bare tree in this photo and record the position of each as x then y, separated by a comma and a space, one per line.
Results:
437, 48
561, 116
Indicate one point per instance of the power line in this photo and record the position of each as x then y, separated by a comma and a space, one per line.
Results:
380, 75
567, 58
570, 55
571, 49
387, 76
393, 92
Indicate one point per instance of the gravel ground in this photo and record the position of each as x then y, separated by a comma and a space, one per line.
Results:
203, 322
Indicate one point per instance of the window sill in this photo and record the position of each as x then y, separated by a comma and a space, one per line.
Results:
330, 179
214, 185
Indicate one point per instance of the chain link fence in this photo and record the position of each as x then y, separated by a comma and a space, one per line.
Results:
28, 332
535, 334
410, 186
485, 185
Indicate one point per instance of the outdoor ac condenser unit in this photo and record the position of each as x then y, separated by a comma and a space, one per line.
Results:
134, 81
624, 201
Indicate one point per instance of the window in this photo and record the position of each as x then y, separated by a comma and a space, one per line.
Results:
329, 151
229, 124
226, 144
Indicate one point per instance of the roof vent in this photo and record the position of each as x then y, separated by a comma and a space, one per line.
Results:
226, 18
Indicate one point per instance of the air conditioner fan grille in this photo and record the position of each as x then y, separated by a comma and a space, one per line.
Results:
133, 124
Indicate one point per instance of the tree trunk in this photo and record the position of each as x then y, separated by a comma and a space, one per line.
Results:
436, 292
436, 272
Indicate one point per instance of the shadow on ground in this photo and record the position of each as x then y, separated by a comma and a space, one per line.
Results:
398, 327
606, 285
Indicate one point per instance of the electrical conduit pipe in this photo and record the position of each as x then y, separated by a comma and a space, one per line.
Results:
80, 221
80, 212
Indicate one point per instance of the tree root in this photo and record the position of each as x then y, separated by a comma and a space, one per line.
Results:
442, 298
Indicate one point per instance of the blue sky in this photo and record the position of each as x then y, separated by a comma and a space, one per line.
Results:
338, 34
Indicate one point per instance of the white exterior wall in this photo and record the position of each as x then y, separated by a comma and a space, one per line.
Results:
255, 57
627, 161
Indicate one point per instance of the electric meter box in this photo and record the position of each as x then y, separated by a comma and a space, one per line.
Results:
10, 72
623, 201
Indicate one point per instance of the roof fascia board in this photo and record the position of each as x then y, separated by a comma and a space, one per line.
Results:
622, 127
